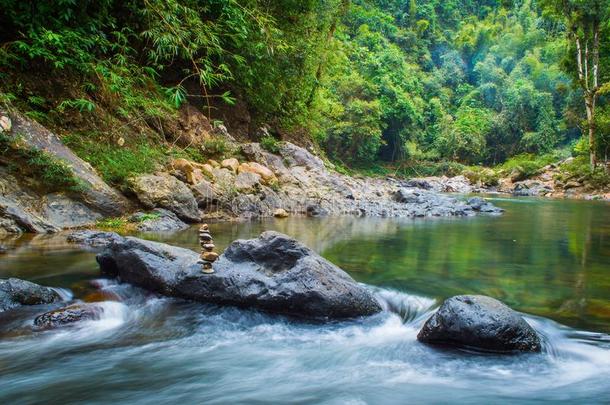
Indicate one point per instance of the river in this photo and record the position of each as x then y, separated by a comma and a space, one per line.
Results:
547, 258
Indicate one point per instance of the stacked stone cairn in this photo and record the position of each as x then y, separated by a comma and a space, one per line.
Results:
208, 256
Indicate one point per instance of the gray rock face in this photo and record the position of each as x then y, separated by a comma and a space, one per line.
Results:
25, 206
205, 193
98, 195
158, 220
15, 292
479, 322
297, 156
247, 181
165, 191
273, 273
94, 239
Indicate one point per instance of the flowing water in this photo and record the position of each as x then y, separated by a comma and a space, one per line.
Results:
549, 259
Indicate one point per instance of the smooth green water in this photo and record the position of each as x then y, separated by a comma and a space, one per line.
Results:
545, 257
549, 259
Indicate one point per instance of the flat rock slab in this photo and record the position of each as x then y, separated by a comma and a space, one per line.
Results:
273, 273
479, 322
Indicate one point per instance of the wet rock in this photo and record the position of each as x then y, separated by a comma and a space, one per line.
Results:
158, 220
165, 191
479, 322
280, 213
273, 273
15, 292
95, 239
481, 205
68, 315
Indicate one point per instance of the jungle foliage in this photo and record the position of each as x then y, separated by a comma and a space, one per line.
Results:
468, 81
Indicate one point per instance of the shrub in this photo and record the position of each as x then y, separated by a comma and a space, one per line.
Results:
116, 164
270, 144
216, 147
482, 175
54, 173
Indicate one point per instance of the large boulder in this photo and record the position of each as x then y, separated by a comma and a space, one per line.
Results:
15, 292
479, 322
165, 191
274, 273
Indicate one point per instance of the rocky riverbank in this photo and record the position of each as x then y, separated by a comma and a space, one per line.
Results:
550, 182
293, 181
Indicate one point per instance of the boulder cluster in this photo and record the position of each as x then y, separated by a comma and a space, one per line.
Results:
272, 273
208, 256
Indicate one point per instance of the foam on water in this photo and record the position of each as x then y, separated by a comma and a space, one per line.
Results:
205, 353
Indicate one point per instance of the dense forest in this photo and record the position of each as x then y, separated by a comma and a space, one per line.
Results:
437, 83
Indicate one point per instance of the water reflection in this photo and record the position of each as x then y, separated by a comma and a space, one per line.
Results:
544, 257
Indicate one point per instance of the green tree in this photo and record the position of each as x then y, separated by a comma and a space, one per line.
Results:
587, 26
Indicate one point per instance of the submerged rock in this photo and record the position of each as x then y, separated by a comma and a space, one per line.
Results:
479, 322
68, 315
15, 292
274, 273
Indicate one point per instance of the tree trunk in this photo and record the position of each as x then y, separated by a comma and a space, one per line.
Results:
590, 106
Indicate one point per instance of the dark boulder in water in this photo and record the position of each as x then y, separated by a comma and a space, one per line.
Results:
68, 315
15, 292
479, 322
274, 273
